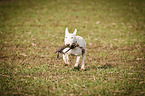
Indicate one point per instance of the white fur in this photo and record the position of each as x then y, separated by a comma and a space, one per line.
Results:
72, 38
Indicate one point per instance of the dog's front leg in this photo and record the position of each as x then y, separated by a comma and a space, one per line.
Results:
77, 62
66, 59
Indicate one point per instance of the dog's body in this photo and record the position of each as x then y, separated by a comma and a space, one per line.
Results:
70, 39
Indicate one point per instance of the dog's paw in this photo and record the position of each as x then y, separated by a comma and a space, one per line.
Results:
82, 69
67, 64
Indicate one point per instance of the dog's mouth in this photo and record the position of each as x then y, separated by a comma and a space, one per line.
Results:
67, 44
73, 45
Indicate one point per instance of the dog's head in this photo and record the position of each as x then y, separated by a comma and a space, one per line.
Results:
70, 37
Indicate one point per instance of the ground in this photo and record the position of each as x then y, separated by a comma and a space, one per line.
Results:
32, 30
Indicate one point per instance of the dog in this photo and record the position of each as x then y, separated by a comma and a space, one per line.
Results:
71, 38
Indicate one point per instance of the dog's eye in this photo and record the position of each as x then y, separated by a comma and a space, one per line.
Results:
71, 37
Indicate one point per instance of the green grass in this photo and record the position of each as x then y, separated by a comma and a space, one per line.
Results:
31, 31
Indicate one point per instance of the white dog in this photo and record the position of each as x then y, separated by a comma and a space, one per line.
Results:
71, 38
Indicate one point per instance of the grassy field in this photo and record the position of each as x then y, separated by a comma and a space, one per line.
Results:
32, 30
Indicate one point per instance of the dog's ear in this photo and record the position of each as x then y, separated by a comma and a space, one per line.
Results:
66, 31
75, 32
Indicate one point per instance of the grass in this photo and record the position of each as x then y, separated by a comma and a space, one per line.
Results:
31, 31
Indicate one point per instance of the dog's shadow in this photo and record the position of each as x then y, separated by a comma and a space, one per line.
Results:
104, 66
79, 68
107, 65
